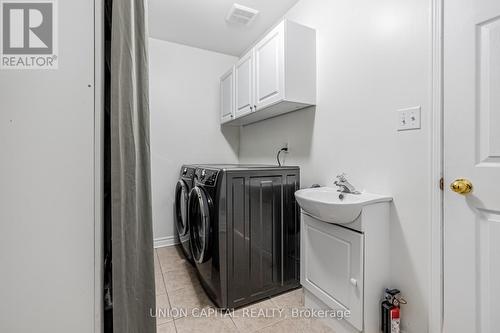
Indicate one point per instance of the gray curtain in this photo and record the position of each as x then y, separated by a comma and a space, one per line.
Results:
132, 239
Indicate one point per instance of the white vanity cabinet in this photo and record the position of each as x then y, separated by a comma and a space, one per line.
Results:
277, 75
346, 267
227, 96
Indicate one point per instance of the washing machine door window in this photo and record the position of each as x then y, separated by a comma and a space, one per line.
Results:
181, 210
200, 206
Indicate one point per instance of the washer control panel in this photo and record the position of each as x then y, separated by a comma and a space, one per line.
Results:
187, 172
207, 177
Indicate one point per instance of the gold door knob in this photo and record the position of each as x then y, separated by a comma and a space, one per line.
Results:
461, 186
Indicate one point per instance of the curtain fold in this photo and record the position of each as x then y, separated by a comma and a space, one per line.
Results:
132, 239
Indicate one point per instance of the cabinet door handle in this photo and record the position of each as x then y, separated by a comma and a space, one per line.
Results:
354, 282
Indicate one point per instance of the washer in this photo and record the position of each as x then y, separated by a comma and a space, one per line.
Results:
245, 231
182, 189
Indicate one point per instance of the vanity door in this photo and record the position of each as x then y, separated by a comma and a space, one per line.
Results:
332, 260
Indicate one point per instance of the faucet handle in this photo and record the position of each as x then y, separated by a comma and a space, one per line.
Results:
342, 177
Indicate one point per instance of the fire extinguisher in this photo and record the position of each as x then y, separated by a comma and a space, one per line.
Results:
391, 314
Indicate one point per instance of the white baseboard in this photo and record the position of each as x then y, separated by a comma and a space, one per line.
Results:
165, 241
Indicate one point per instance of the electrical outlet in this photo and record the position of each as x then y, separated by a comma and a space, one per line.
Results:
409, 119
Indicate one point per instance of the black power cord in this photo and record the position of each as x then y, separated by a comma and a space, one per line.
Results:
278, 155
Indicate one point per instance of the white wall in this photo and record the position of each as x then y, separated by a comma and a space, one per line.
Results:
373, 58
47, 186
184, 99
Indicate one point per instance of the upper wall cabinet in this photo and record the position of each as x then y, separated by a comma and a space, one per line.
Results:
227, 96
278, 75
270, 69
244, 82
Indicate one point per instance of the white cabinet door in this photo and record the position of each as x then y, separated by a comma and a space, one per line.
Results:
244, 77
332, 266
227, 96
270, 68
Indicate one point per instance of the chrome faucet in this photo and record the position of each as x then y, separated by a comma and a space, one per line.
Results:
344, 186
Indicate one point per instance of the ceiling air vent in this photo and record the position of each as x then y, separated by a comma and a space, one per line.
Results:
241, 15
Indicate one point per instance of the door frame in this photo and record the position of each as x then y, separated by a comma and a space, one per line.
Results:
98, 163
436, 304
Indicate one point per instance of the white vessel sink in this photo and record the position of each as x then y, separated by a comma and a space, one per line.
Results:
324, 203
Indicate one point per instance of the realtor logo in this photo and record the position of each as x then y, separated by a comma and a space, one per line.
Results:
29, 39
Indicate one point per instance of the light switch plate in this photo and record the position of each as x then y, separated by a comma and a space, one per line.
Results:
409, 118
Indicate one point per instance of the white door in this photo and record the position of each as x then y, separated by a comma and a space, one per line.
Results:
47, 188
243, 73
227, 96
270, 68
472, 151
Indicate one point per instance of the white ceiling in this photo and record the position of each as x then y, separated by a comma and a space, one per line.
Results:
202, 24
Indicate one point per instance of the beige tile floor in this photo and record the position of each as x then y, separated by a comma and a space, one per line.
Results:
177, 287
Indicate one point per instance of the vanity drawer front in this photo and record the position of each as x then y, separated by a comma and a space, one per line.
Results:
332, 260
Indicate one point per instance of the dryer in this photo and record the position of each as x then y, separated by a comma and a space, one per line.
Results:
245, 231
